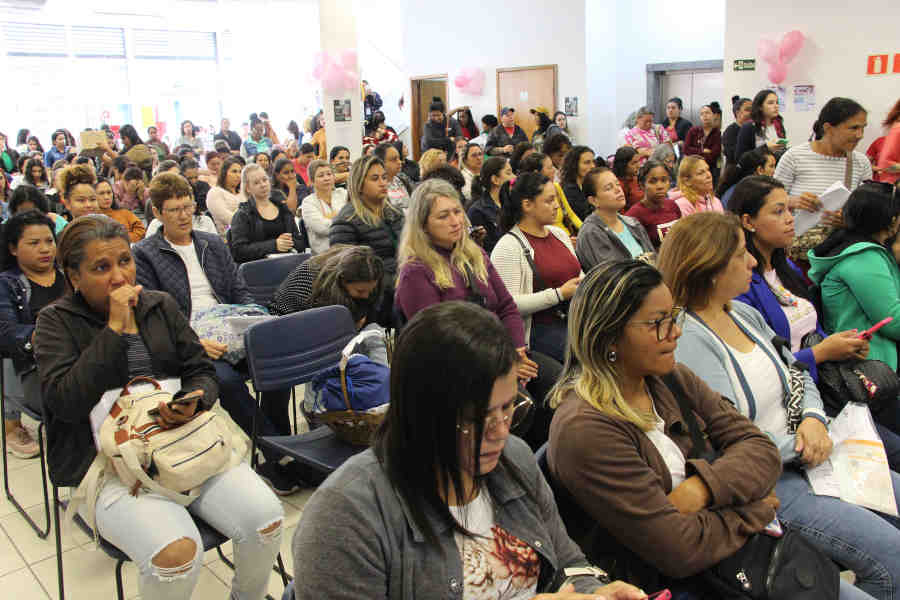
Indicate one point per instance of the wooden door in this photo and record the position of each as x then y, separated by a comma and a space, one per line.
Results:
524, 88
424, 90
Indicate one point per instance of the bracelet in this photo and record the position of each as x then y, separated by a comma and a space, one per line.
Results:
558, 295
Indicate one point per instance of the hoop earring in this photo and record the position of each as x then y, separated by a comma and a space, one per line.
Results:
611, 356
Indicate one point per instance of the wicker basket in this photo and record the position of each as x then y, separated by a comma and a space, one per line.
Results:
352, 427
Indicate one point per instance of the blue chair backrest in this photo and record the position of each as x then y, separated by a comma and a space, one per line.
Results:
290, 350
265, 275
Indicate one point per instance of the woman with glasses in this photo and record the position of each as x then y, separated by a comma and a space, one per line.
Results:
446, 503
618, 443
856, 270
705, 263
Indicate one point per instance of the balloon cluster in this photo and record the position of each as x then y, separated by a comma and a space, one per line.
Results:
337, 75
778, 56
470, 81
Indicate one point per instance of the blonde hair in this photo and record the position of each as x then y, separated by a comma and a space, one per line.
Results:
607, 298
686, 171
245, 177
415, 244
694, 252
355, 185
431, 160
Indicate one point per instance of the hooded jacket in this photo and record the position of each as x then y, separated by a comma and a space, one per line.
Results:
598, 243
860, 285
435, 135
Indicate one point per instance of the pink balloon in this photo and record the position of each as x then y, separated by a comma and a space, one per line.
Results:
349, 59
790, 46
767, 50
461, 81
777, 72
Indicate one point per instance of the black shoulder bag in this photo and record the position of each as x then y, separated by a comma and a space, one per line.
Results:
766, 567
561, 310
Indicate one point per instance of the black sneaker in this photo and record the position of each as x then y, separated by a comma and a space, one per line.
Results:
273, 474
304, 475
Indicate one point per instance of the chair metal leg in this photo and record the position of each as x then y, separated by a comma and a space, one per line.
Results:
59, 559
41, 532
285, 578
255, 433
224, 558
120, 589
295, 428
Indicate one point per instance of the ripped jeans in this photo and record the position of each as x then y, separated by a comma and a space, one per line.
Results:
236, 503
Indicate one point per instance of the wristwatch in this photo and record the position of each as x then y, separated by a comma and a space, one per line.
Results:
572, 573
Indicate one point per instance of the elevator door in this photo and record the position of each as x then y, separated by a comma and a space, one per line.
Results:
695, 88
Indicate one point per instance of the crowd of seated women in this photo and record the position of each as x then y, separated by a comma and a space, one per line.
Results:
554, 297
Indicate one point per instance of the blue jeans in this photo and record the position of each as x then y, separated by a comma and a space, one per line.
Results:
19, 392
235, 398
856, 538
550, 339
236, 503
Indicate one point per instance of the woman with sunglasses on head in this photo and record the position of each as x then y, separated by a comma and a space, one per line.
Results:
705, 263
619, 446
423, 513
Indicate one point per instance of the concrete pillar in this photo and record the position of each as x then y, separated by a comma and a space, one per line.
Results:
337, 26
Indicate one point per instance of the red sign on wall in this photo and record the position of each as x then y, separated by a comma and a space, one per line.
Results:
879, 64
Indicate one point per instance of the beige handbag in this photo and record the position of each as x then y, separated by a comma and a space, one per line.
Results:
170, 462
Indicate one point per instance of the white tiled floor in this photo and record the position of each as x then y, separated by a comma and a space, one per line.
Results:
28, 564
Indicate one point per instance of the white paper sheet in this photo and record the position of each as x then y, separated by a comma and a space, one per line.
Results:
857, 470
833, 198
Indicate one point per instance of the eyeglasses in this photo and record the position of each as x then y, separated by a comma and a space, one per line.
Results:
886, 187
187, 209
513, 416
664, 325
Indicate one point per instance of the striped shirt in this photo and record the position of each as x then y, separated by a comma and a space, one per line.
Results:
139, 362
801, 169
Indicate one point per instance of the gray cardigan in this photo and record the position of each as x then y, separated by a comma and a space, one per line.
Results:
356, 538
701, 350
597, 243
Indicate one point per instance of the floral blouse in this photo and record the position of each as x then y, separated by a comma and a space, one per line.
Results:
644, 138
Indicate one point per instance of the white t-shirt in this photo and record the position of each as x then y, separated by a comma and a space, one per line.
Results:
801, 316
202, 295
802, 169
765, 384
495, 563
669, 450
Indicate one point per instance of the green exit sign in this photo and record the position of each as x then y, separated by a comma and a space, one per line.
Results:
745, 64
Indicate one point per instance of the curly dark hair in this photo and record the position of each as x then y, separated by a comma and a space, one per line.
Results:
569, 171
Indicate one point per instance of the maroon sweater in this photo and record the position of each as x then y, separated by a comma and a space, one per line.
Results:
417, 290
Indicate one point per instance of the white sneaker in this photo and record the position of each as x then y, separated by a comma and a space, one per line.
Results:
20, 444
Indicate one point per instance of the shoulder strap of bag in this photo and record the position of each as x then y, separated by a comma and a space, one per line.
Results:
470, 282
848, 171
538, 281
698, 445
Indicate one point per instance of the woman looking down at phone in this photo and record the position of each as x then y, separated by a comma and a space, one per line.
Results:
765, 126
106, 331
705, 262
857, 273
446, 503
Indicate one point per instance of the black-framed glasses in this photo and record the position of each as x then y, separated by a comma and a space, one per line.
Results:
886, 187
514, 416
664, 325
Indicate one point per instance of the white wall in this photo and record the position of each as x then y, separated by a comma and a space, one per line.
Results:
833, 59
492, 35
624, 36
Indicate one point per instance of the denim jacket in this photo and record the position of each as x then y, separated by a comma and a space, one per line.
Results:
16, 320
357, 538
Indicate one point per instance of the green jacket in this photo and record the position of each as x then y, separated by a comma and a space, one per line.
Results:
860, 285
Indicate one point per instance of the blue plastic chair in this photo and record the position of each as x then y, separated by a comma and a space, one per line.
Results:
286, 352
265, 275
